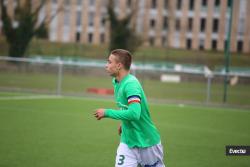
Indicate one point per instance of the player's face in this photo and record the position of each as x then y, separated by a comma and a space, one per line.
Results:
112, 66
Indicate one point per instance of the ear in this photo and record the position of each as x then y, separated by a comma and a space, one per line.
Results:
119, 66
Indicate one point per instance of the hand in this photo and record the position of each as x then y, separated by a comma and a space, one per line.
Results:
99, 113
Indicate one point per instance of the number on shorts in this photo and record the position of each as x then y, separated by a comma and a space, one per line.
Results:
121, 159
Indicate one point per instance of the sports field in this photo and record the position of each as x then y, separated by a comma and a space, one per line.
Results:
78, 84
52, 131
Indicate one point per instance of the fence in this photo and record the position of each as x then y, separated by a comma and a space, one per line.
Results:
161, 81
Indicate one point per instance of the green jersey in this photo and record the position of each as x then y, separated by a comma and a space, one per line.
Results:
138, 129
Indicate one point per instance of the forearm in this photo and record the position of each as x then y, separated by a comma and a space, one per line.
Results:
132, 113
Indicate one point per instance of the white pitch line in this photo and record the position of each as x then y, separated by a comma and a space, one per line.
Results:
30, 97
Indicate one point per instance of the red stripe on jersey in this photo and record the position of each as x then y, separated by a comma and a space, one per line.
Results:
132, 101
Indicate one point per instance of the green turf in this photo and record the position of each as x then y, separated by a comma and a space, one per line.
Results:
184, 91
14, 94
63, 132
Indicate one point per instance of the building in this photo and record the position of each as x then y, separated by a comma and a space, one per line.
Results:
186, 24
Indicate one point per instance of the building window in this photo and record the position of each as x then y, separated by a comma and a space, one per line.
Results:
90, 37
91, 2
102, 38
201, 44
177, 24
129, 3
163, 41
178, 5
66, 26
78, 36
66, 17
239, 46
217, 3
78, 18
229, 3
191, 4
166, 4
241, 26
53, 27
189, 43
103, 21
165, 23
153, 4
204, 3
91, 18
214, 44
190, 24
217, 6
152, 23
66, 2
203, 25
215, 25
176, 39
79, 2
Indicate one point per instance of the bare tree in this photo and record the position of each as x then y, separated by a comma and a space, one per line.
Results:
20, 28
122, 34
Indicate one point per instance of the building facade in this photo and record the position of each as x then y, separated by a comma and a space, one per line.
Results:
186, 24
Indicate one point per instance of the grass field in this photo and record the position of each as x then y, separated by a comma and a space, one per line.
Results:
184, 91
50, 131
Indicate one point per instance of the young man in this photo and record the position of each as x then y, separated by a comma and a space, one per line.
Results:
140, 140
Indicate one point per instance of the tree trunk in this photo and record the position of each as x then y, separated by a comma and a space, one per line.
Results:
18, 48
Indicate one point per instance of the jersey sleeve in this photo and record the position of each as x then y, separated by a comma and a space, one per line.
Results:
133, 112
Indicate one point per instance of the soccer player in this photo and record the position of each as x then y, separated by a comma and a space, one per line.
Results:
140, 140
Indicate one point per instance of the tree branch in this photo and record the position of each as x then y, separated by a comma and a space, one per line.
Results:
7, 21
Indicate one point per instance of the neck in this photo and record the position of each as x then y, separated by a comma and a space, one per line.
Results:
121, 75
